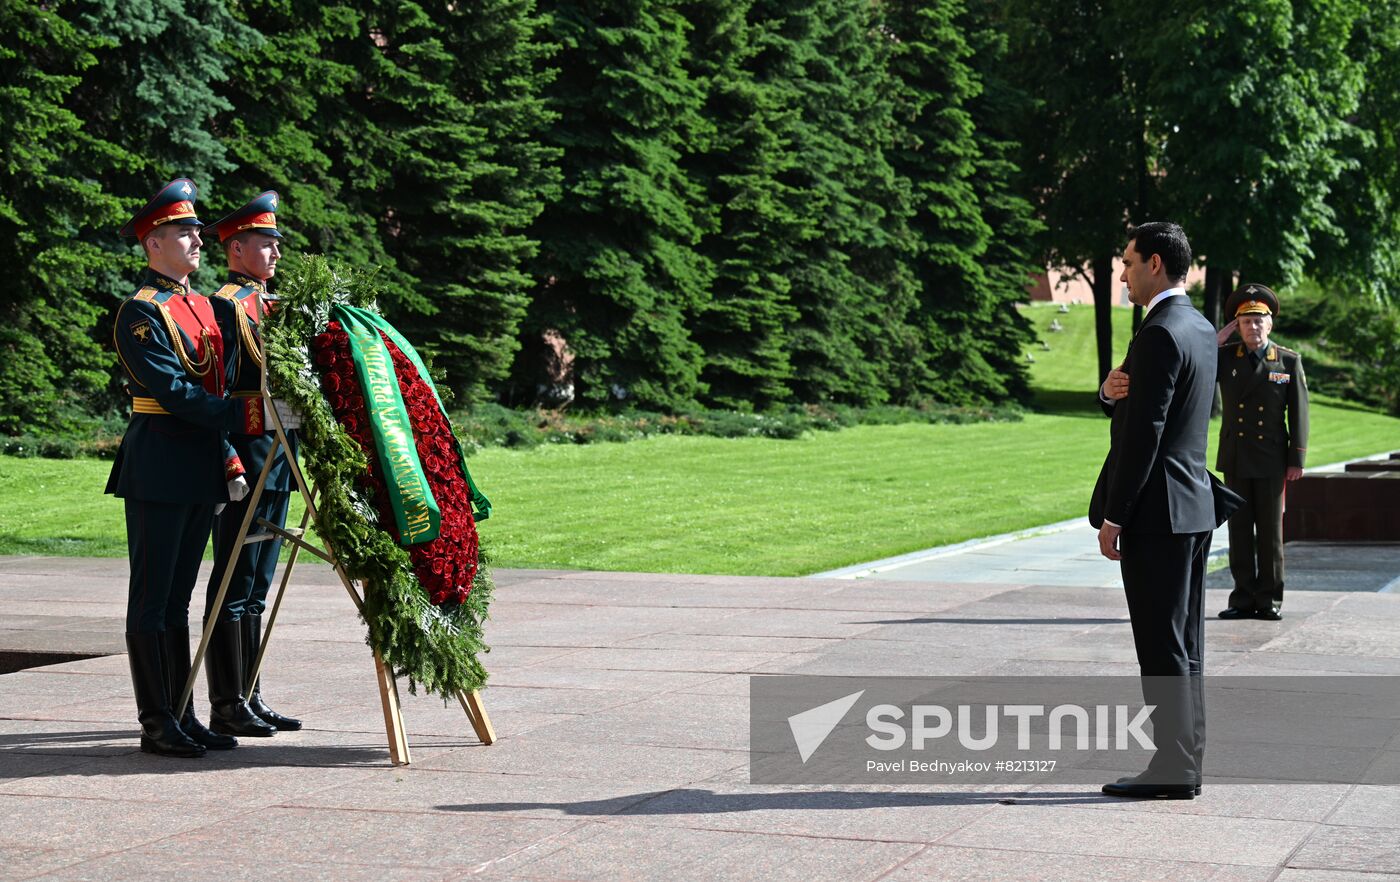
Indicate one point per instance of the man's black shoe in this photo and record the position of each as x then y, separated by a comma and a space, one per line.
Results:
1234, 612
1271, 614
1133, 790
1129, 779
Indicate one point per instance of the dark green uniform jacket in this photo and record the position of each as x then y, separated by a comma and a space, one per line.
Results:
176, 446
1265, 425
238, 308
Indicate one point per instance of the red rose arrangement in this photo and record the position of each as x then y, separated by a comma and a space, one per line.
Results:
446, 565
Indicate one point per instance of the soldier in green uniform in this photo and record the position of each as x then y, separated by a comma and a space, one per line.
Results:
250, 239
174, 466
1263, 442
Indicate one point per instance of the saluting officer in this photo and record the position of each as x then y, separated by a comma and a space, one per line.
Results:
174, 465
250, 239
1263, 442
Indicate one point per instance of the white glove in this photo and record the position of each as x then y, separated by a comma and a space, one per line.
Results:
237, 489
287, 414
219, 509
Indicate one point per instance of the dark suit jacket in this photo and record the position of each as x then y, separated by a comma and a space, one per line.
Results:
1154, 479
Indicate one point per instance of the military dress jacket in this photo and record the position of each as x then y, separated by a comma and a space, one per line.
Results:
239, 307
173, 352
1264, 427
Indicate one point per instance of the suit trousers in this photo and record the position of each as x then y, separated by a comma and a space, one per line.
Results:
165, 543
1256, 543
254, 565
1164, 581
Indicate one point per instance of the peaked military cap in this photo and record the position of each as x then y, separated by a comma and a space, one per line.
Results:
1252, 299
259, 215
174, 204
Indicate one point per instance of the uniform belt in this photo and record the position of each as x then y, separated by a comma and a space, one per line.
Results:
146, 405
247, 393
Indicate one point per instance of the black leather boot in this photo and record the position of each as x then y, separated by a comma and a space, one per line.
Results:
252, 640
229, 713
160, 734
177, 671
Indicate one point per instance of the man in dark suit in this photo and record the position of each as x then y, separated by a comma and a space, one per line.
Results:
1263, 442
1154, 503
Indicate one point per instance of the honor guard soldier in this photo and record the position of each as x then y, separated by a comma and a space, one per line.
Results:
251, 244
174, 465
1263, 442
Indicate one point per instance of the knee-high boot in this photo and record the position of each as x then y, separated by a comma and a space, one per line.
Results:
177, 660
252, 640
160, 733
229, 713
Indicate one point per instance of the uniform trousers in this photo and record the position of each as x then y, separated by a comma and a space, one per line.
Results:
1256, 543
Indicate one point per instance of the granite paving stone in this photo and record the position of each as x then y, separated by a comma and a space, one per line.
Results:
1372, 849
959, 864
1369, 805
28, 862
373, 838
1135, 834
608, 851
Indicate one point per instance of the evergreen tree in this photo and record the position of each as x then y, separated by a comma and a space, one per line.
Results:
50, 364
408, 141
152, 93
937, 150
1010, 261
739, 156
617, 273
298, 123
849, 286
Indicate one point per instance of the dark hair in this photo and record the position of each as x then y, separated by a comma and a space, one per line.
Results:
1168, 240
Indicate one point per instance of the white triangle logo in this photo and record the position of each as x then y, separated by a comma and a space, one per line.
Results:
811, 727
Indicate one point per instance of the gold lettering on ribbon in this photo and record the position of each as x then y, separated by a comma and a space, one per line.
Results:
397, 434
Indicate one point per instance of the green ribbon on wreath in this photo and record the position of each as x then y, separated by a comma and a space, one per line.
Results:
416, 512
480, 504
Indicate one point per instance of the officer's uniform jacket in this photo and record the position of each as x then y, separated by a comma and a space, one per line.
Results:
1264, 428
239, 307
173, 352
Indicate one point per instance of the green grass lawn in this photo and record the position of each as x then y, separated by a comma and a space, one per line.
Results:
745, 506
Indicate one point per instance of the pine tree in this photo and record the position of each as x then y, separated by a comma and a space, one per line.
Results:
470, 176
975, 233
297, 122
50, 364
617, 273
938, 152
848, 285
152, 93
739, 157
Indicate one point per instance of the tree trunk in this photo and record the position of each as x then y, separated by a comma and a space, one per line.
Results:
1217, 281
1102, 285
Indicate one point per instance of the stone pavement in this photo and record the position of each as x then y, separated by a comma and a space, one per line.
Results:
621, 704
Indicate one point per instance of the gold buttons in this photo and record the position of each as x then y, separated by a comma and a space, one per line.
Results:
1241, 434
1261, 407
1241, 419
1261, 422
1241, 405
1261, 437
